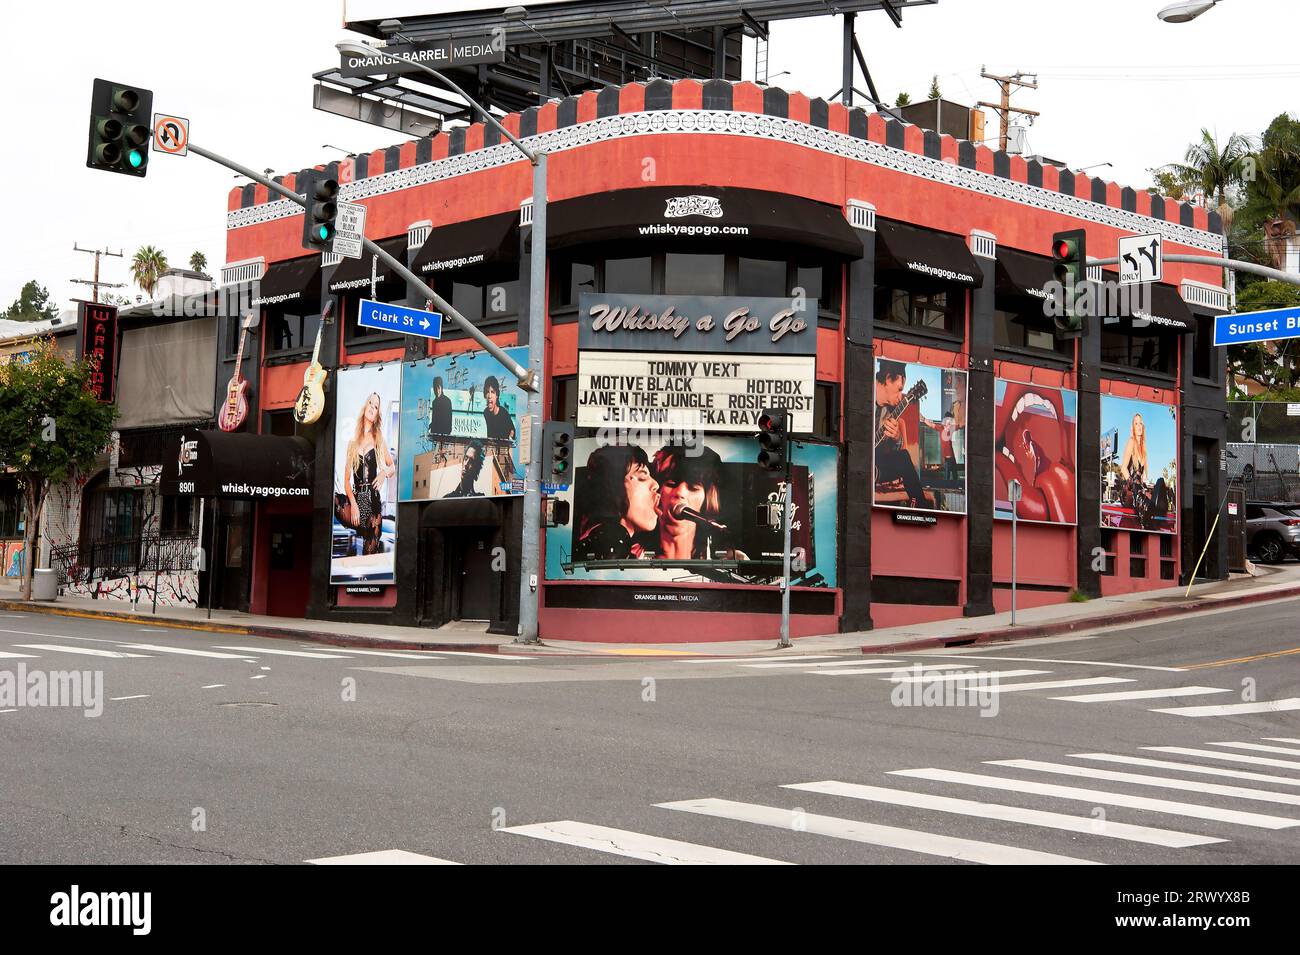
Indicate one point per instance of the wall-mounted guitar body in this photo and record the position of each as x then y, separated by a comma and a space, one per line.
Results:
309, 404
234, 410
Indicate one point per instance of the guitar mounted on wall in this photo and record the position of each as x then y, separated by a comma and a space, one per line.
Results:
309, 404
917, 392
234, 410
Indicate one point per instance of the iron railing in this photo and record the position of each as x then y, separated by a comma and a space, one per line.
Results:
105, 558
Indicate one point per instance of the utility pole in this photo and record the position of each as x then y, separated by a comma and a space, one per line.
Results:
95, 283
1004, 109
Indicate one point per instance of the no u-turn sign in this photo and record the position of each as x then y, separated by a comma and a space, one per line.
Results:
171, 134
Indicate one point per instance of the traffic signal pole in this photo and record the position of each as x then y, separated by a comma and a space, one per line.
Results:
785, 551
527, 378
1235, 264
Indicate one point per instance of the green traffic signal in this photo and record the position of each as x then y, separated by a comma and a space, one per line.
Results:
135, 158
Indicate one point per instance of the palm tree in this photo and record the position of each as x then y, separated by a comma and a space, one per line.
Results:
1214, 169
147, 265
199, 262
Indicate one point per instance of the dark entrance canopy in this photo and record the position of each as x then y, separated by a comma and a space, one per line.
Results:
353, 275
491, 240
924, 254
1167, 313
221, 464
693, 212
1021, 275
290, 284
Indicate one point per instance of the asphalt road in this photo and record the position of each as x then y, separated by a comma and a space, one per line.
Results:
238, 752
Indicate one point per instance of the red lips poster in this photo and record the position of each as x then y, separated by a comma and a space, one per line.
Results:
1035, 444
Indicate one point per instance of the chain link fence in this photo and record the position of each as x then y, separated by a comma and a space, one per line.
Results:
1266, 436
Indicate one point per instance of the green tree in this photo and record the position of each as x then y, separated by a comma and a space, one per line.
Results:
199, 262
147, 265
903, 100
32, 305
1274, 365
934, 87
51, 426
1270, 209
1211, 168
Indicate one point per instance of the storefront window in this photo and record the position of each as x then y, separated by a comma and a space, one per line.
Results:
177, 517
694, 274
11, 509
1153, 353
565, 406
762, 277
569, 279
630, 276
1022, 329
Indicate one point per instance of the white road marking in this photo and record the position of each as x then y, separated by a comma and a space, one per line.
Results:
1280, 739
1097, 796
382, 857
17, 656
1050, 684
1032, 817
138, 696
636, 845
1259, 747
1159, 782
85, 651
152, 629
1082, 663
260, 676
926, 843
289, 653
8, 711
1141, 694
744, 660
184, 651
977, 675
470, 653
212, 686
1226, 757
1232, 709
1188, 768
404, 655
897, 669
855, 662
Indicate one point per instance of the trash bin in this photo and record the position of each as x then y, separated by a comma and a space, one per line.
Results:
45, 584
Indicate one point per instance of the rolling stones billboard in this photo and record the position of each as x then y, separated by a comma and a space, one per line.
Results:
1035, 442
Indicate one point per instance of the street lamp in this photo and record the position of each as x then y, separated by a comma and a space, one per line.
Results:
530, 551
1186, 10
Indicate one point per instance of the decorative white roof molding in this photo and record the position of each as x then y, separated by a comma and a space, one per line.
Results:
983, 244
1202, 293
757, 126
246, 270
862, 215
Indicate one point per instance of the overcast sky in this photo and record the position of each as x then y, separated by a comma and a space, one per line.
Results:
1116, 85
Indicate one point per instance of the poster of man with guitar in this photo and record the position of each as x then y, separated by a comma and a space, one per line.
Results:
1139, 468
920, 437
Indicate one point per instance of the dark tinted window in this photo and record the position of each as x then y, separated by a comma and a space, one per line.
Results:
694, 274
1155, 353
937, 310
1018, 328
502, 298
570, 279
632, 276
289, 332
764, 277
468, 300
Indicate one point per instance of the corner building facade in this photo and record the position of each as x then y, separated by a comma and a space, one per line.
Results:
910, 258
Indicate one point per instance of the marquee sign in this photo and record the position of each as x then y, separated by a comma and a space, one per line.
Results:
690, 390
697, 323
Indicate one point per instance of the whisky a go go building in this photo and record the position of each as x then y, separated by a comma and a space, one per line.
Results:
715, 248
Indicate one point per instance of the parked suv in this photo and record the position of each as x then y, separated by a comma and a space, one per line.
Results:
1272, 530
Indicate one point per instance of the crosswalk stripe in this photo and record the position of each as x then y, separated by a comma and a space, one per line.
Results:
1189, 768
1160, 782
1097, 796
184, 651
382, 857
18, 656
1226, 757
137, 696
635, 845
744, 660
1050, 684
1259, 747
855, 662
911, 840
1280, 739
980, 655
1232, 709
1141, 694
289, 653
1032, 817
977, 675
84, 651
859, 669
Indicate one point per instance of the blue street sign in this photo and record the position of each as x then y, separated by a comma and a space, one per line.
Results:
1257, 326
399, 318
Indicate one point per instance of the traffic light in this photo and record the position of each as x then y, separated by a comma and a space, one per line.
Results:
119, 128
557, 441
318, 220
1070, 269
773, 439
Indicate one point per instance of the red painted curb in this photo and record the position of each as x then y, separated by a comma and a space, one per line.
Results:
1007, 635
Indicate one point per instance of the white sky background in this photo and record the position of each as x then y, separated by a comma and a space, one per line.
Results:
1116, 85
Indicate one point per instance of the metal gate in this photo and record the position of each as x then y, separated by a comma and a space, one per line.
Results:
1236, 518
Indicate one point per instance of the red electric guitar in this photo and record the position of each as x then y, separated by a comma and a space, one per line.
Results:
234, 410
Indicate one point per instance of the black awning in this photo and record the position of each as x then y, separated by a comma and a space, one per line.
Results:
492, 240
924, 254
287, 284
353, 275
1021, 275
1168, 314
694, 212
236, 464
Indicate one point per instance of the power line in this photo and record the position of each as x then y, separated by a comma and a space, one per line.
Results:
1005, 109
95, 283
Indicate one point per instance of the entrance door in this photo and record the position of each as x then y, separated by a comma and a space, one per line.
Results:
288, 585
476, 573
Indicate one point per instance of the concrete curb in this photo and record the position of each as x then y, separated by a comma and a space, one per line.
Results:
279, 633
1007, 635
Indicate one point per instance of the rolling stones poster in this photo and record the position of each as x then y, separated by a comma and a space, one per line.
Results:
1139, 465
646, 510
920, 437
460, 428
364, 532
1034, 442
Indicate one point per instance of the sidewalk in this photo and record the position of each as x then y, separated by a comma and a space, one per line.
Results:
1276, 582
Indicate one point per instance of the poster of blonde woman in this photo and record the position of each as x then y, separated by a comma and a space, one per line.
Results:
1139, 465
365, 475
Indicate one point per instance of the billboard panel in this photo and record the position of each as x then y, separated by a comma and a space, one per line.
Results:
920, 437
1139, 465
1034, 441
